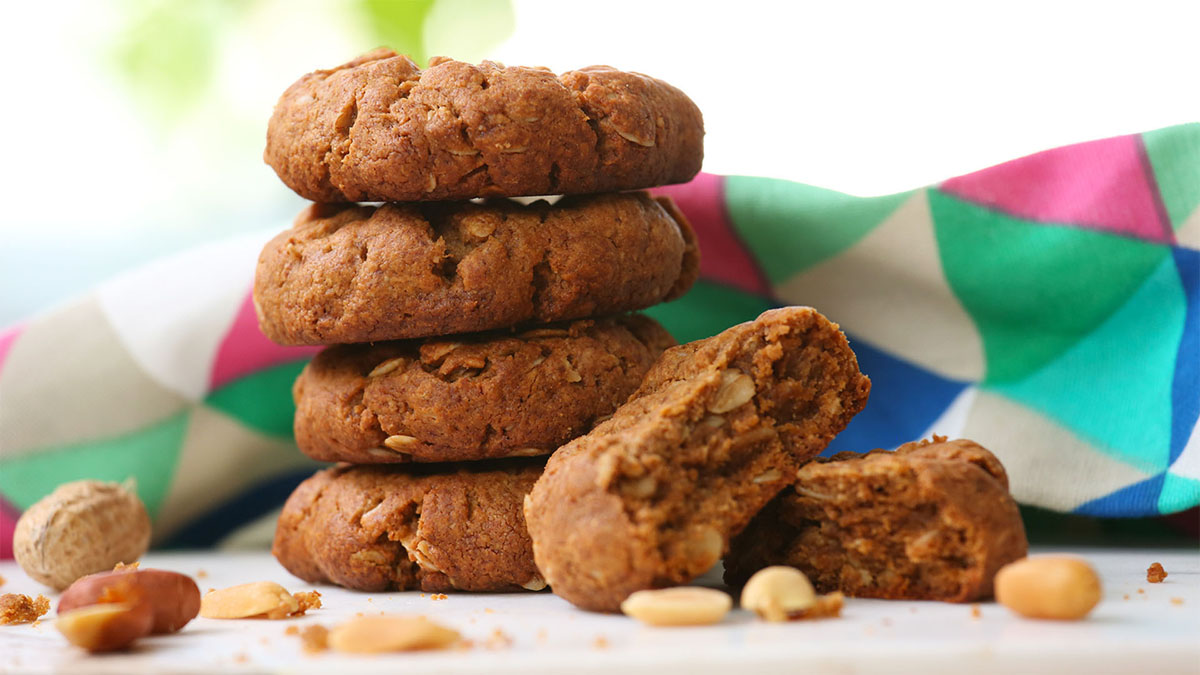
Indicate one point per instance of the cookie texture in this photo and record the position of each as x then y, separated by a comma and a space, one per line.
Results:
651, 497
349, 273
931, 521
381, 129
473, 397
418, 527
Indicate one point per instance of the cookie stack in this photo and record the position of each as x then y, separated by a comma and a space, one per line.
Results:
469, 336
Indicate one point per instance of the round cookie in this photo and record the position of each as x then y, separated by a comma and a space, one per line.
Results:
380, 129
651, 497
377, 528
930, 521
473, 397
348, 274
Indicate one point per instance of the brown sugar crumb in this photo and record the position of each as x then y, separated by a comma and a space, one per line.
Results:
123, 566
976, 613
827, 607
439, 596
16, 608
291, 630
600, 642
314, 639
1155, 573
499, 640
307, 600
1176, 601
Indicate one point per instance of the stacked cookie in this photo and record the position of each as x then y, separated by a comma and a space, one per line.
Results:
467, 340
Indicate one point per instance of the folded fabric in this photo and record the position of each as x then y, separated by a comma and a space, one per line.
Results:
1048, 308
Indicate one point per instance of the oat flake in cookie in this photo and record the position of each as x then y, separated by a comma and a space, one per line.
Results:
416, 527
381, 129
470, 397
350, 273
650, 498
930, 521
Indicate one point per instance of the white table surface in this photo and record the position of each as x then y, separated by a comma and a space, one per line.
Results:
1136, 629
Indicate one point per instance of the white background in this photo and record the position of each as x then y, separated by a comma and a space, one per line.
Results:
867, 98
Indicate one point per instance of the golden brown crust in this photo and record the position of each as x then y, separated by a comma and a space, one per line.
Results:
377, 528
930, 521
348, 274
380, 129
651, 497
473, 397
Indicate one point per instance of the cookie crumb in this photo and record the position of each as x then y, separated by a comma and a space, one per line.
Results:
201, 574
1176, 601
241, 657
1141, 591
439, 596
600, 642
16, 608
122, 566
2, 580
314, 639
1155, 573
488, 610
887, 622
976, 613
542, 635
498, 640
291, 630
307, 600
827, 607
465, 644
912, 610
1126, 596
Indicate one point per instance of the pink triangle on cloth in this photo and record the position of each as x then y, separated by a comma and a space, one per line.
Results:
1100, 185
8, 524
723, 256
245, 349
7, 338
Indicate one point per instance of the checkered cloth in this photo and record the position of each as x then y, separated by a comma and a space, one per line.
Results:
1048, 308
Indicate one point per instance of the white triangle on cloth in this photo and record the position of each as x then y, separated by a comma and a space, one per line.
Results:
172, 314
889, 289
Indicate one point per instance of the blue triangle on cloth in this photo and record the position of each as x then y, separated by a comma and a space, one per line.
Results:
905, 400
1137, 500
1185, 405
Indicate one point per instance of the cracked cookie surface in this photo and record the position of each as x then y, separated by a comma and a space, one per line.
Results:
930, 521
471, 397
381, 129
347, 273
650, 498
417, 527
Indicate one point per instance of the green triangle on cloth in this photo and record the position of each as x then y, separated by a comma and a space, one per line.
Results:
1174, 154
261, 400
1034, 290
148, 455
790, 227
1113, 387
706, 310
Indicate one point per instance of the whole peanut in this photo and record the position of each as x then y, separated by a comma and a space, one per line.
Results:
1048, 587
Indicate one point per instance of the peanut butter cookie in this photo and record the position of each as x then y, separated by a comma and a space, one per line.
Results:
651, 497
381, 129
931, 521
477, 396
377, 528
349, 273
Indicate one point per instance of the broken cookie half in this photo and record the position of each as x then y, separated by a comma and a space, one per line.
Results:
651, 497
931, 521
